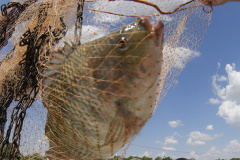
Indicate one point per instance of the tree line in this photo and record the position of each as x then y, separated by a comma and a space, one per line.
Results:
37, 156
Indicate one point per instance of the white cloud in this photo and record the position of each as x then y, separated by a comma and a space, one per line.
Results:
146, 153
176, 134
169, 148
228, 96
221, 78
89, 33
212, 153
214, 101
175, 124
219, 65
230, 111
197, 138
218, 89
178, 56
231, 150
170, 140
179, 135
92, 32
193, 155
158, 142
209, 127
161, 154
193, 142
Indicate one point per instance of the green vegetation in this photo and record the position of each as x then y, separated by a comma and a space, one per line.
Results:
8, 146
37, 156
157, 158
140, 158
230, 159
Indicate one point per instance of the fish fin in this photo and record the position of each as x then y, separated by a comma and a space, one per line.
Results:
123, 125
56, 60
116, 129
67, 49
51, 69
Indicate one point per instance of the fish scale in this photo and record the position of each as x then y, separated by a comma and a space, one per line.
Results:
97, 96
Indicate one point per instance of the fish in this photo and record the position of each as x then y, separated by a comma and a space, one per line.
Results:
101, 93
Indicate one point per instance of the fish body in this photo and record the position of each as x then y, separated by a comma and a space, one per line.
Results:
100, 94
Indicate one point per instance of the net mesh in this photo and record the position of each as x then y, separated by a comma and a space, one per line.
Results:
79, 79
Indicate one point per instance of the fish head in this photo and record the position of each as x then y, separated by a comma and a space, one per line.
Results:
139, 35
132, 60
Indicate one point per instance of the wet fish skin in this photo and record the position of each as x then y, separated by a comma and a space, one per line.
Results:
100, 94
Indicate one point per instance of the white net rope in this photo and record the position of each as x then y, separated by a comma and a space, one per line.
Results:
96, 96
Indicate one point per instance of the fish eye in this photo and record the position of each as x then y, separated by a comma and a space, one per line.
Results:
122, 43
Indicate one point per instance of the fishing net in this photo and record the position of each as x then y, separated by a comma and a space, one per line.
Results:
79, 78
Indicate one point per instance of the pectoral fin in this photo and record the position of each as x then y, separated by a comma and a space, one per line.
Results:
123, 125
116, 129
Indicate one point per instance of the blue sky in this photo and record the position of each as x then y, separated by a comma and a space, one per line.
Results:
181, 119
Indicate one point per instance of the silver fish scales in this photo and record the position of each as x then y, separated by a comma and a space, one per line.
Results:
100, 94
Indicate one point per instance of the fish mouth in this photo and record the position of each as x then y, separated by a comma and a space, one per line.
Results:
154, 31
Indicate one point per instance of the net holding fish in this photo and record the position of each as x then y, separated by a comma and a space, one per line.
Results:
100, 94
